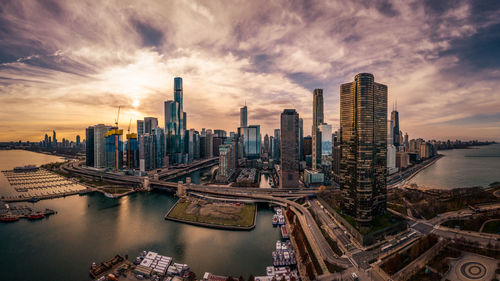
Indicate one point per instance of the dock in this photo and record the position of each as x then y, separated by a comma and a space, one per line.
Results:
14, 213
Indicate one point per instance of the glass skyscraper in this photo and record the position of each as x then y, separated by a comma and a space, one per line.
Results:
289, 147
316, 133
251, 141
363, 141
175, 125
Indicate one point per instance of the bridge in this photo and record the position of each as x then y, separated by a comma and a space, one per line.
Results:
169, 174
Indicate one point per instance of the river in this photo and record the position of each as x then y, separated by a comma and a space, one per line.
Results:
476, 166
95, 228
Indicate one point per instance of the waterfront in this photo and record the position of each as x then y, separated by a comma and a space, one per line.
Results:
95, 228
477, 166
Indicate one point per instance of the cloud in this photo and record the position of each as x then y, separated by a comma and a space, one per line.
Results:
67, 70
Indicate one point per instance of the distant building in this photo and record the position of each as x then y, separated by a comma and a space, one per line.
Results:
225, 162
391, 150
114, 149
220, 133
100, 145
132, 151
307, 146
402, 160
277, 145
363, 140
251, 141
243, 116
89, 147
326, 139
289, 147
140, 127
77, 140
312, 177
395, 128
150, 123
301, 139
316, 133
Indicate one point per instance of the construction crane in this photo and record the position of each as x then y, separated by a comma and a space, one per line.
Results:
129, 123
117, 116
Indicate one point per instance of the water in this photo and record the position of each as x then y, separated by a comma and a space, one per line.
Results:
95, 228
478, 166
264, 180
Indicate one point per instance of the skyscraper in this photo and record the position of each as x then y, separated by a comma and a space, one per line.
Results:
89, 147
276, 145
316, 133
140, 127
301, 139
243, 116
251, 141
150, 124
100, 145
326, 139
54, 139
395, 128
363, 141
181, 116
289, 147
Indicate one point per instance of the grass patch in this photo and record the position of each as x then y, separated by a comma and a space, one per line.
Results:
242, 217
115, 190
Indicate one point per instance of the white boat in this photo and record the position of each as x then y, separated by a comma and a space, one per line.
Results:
109, 195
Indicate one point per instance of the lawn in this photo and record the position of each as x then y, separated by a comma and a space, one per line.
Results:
245, 218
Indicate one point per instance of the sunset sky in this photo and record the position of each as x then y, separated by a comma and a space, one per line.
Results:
65, 65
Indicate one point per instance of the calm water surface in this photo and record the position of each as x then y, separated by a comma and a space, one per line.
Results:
95, 228
478, 166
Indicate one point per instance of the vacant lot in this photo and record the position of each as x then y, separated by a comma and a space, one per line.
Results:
214, 213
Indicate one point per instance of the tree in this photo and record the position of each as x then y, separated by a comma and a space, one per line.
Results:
251, 278
241, 278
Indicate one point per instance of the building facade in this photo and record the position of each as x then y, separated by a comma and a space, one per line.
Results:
316, 133
289, 147
363, 141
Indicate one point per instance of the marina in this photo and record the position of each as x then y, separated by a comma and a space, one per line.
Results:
12, 213
30, 183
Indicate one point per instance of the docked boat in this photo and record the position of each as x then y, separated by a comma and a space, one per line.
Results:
109, 195
275, 220
284, 232
281, 220
278, 245
9, 218
34, 199
36, 216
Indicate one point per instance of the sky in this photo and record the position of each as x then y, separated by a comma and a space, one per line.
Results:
66, 65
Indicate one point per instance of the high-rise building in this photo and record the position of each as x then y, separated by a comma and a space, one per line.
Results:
326, 139
181, 116
77, 140
316, 133
266, 144
132, 151
100, 145
307, 146
363, 140
89, 147
114, 149
301, 139
220, 133
150, 124
276, 145
140, 127
54, 139
225, 162
395, 128
243, 116
289, 147
172, 132
391, 149
251, 140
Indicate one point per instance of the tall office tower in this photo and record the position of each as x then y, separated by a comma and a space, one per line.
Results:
363, 140
158, 148
276, 146
225, 162
140, 127
220, 133
395, 128
209, 144
150, 124
289, 170
179, 98
316, 133
301, 139
46, 140
307, 146
54, 139
172, 132
132, 151
100, 145
243, 116
251, 141
326, 139
406, 141
77, 140
89, 147
114, 149
266, 144
391, 149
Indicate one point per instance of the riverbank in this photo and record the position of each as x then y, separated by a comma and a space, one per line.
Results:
213, 214
408, 174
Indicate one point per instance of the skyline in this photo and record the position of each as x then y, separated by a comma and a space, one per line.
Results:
63, 71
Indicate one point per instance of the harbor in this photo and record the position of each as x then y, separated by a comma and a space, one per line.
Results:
12, 213
31, 183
